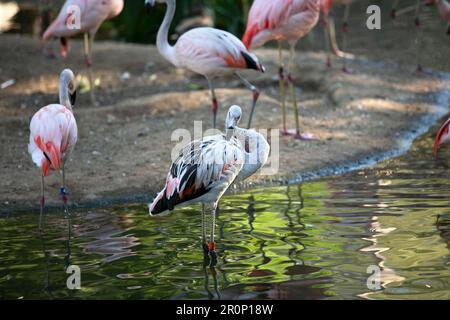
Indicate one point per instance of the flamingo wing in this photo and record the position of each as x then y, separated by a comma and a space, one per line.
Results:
265, 15
280, 20
202, 166
204, 50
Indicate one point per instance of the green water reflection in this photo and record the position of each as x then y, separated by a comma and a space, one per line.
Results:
313, 241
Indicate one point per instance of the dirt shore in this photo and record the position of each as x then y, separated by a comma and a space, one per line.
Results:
124, 145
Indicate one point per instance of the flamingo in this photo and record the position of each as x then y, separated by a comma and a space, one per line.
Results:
92, 14
53, 133
442, 137
284, 20
443, 9
209, 52
206, 168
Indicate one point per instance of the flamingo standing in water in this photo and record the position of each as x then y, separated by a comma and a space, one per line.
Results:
284, 20
53, 133
206, 168
207, 51
92, 13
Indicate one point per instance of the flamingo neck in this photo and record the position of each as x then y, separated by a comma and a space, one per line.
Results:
256, 151
64, 98
162, 42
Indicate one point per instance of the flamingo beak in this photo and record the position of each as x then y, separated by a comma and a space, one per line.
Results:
73, 97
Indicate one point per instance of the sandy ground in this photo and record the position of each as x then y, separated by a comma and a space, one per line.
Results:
124, 145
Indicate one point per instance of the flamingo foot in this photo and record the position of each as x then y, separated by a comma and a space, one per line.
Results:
304, 136
346, 70
287, 133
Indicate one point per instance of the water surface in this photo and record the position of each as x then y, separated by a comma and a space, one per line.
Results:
311, 241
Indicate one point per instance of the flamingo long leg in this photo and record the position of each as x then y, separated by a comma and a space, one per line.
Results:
326, 36
344, 36
292, 88
255, 93
214, 102
88, 61
204, 244
394, 9
212, 243
42, 202
291, 81
282, 87
418, 37
63, 189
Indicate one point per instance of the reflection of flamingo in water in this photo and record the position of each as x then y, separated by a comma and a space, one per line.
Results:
209, 52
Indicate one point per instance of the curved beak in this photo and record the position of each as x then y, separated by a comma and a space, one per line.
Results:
73, 97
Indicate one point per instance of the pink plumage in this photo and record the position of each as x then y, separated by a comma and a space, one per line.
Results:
92, 14
284, 20
53, 135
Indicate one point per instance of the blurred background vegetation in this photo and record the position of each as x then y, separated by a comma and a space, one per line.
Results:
133, 24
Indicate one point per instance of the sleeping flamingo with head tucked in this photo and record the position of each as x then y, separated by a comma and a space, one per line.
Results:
53, 133
90, 14
207, 51
283, 20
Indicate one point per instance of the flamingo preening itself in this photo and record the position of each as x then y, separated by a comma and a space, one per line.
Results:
53, 133
283, 20
82, 16
207, 51
442, 137
206, 168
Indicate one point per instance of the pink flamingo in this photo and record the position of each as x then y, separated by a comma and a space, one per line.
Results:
443, 9
206, 168
53, 133
442, 137
284, 20
90, 14
207, 51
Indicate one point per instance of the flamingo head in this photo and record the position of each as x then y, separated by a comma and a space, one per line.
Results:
233, 117
442, 137
149, 4
68, 83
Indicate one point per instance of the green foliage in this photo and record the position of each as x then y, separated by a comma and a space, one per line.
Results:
134, 25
